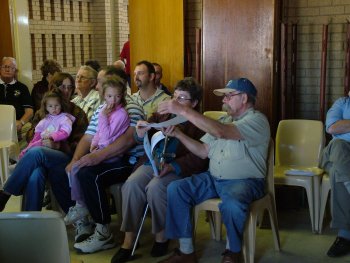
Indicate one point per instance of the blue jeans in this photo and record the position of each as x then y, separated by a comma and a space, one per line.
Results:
236, 195
30, 174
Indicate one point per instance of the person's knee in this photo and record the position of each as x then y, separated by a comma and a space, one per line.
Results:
173, 188
230, 207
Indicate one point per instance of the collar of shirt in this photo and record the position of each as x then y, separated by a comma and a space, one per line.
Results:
11, 83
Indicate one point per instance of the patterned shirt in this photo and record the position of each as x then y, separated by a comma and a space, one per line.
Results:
88, 104
151, 104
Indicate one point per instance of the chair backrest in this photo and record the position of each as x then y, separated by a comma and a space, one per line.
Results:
8, 130
33, 237
299, 142
215, 115
270, 184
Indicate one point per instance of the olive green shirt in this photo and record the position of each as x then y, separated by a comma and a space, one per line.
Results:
240, 159
151, 104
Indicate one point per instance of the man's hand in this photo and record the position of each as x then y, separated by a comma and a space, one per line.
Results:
90, 159
167, 168
170, 106
171, 131
18, 126
70, 166
141, 128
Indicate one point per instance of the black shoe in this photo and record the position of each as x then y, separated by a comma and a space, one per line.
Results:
340, 247
159, 249
3, 200
123, 255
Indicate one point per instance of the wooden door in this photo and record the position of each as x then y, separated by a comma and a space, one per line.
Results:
157, 35
6, 48
238, 41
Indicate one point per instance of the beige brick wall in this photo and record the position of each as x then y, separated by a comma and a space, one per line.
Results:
310, 16
90, 29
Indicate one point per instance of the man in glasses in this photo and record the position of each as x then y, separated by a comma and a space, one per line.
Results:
13, 92
237, 148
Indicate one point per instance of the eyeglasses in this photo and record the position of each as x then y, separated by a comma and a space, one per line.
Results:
8, 67
65, 87
78, 77
180, 98
228, 96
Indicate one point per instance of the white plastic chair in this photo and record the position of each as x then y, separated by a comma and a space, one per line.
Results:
325, 190
298, 148
8, 138
33, 237
256, 208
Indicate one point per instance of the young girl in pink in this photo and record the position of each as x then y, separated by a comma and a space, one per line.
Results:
113, 121
55, 125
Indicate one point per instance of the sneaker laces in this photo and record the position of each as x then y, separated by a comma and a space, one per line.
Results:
94, 236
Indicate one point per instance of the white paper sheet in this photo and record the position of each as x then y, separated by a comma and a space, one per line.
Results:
157, 137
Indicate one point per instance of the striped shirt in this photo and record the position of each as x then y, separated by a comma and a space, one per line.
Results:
151, 104
88, 104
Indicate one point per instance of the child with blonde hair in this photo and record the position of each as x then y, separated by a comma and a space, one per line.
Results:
113, 121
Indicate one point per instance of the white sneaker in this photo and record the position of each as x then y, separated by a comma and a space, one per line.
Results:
75, 213
95, 242
83, 229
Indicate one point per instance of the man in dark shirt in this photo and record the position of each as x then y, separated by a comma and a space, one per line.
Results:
13, 92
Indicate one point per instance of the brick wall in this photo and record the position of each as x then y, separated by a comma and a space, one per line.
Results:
74, 31
310, 16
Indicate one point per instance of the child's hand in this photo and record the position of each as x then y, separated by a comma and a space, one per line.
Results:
108, 109
93, 148
142, 128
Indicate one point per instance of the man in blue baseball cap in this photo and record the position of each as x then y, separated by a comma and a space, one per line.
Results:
237, 147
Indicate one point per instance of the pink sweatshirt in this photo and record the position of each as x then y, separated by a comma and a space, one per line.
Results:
110, 127
58, 127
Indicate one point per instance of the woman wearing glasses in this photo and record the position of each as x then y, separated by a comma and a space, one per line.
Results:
31, 172
143, 187
87, 96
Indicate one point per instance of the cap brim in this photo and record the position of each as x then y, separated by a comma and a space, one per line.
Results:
222, 92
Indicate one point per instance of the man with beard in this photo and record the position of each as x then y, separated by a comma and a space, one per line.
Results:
148, 95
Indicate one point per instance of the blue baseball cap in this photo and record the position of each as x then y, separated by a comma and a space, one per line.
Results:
242, 85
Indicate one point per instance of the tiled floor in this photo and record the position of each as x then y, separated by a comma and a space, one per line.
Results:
298, 243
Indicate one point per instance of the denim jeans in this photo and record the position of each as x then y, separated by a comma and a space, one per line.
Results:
30, 174
236, 195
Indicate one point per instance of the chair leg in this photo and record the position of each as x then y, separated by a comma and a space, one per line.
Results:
310, 197
274, 225
139, 231
323, 204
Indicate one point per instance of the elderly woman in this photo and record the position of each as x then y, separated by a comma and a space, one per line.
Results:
87, 96
143, 187
29, 175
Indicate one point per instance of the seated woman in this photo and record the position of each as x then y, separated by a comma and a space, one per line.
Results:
143, 187
87, 96
29, 175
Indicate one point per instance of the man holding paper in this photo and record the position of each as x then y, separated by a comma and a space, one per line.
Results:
237, 147
335, 160
172, 162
